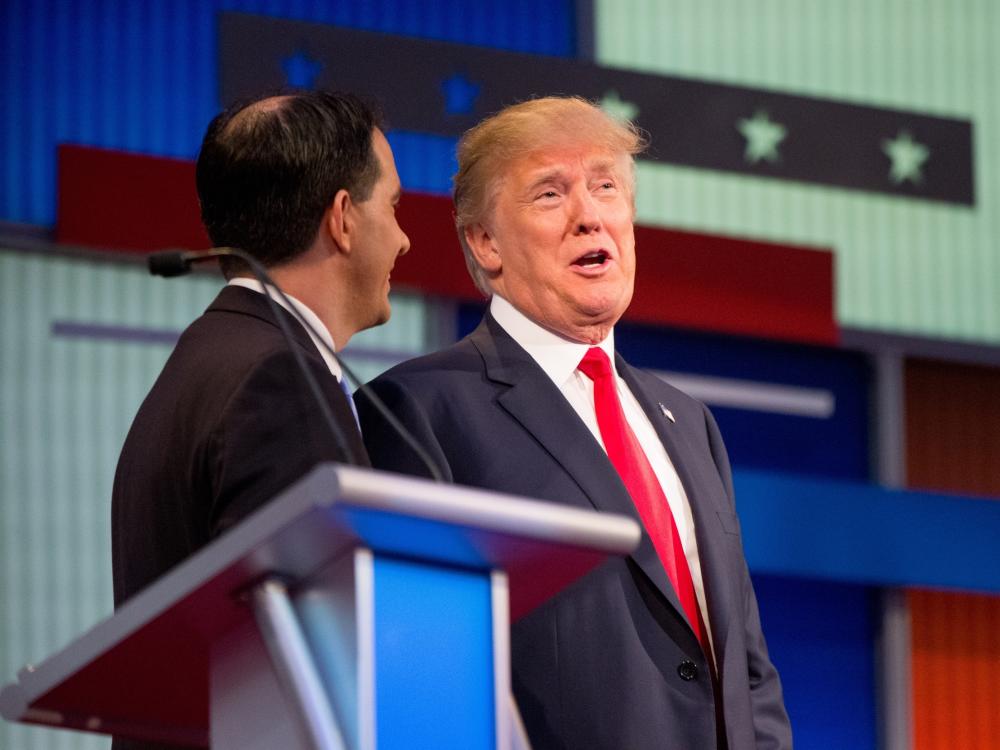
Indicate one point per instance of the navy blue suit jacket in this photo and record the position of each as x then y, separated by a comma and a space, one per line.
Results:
611, 662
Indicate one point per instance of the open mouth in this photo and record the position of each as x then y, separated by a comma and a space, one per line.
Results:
593, 259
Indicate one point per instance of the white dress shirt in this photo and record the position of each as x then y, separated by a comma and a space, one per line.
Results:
311, 317
559, 358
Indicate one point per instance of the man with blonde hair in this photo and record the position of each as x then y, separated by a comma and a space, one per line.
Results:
662, 649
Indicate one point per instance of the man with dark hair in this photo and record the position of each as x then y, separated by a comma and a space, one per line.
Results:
306, 184
268, 171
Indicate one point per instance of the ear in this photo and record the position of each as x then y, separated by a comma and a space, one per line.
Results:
339, 221
483, 248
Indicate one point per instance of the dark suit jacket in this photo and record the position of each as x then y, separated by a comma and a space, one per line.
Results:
228, 424
610, 663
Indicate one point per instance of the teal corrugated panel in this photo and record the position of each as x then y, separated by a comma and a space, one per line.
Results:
66, 403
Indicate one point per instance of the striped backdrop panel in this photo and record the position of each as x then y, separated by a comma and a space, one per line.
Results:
903, 265
953, 444
73, 371
141, 76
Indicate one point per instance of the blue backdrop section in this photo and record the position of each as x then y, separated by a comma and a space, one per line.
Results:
820, 636
836, 446
424, 162
860, 532
141, 76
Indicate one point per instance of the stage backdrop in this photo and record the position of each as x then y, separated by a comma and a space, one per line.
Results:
904, 263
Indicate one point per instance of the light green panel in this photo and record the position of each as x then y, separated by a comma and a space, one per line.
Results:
65, 406
903, 265
370, 352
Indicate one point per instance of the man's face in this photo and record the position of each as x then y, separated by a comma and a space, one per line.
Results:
380, 240
559, 243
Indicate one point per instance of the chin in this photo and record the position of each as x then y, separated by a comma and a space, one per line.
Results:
605, 308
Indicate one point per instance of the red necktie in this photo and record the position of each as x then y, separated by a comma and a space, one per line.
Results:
633, 467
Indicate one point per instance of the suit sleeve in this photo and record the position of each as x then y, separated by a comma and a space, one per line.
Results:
270, 434
771, 726
386, 448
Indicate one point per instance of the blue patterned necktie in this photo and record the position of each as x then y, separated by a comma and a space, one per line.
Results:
350, 398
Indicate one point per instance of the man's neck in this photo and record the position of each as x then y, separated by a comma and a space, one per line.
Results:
314, 289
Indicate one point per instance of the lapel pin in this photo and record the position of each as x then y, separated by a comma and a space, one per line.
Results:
666, 412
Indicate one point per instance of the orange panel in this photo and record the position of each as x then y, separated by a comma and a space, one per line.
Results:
956, 670
953, 445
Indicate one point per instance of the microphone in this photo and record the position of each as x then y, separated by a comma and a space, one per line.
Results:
171, 263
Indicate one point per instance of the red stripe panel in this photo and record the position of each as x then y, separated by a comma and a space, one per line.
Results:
732, 285
129, 202
135, 203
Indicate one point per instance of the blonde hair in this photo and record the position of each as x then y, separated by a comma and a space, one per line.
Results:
520, 129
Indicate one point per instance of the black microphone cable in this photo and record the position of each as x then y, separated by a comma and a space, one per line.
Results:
170, 263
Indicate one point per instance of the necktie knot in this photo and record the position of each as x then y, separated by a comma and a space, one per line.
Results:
595, 364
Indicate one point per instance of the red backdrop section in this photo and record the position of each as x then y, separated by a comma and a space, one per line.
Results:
130, 202
136, 203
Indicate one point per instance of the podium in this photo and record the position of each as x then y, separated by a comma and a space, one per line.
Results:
358, 609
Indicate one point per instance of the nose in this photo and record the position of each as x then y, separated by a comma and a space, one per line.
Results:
404, 245
586, 215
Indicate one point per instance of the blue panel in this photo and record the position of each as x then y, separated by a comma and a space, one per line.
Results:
425, 162
434, 659
141, 76
821, 638
848, 531
836, 446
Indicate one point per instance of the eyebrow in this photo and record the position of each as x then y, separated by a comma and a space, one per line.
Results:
549, 175
601, 165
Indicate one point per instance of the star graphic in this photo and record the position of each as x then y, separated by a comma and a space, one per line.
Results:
301, 70
907, 157
617, 107
460, 95
763, 137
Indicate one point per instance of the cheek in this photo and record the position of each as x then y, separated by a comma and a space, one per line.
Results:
625, 239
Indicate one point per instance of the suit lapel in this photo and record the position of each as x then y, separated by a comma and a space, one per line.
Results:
696, 474
243, 301
537, 404
237, 299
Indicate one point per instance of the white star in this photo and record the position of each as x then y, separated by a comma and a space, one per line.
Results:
907, 157
617, 107
763, 137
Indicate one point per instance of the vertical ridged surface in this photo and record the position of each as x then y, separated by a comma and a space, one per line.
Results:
956, 670
141, 76
953, 445
953, 428
902, 265
66, 403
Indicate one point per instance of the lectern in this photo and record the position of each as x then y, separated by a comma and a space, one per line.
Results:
358, 609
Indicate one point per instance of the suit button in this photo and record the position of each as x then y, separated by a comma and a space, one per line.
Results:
688, 670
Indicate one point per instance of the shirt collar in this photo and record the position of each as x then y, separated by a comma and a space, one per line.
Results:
556, 355
308, 315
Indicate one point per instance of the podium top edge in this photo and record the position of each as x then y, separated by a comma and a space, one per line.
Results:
540, 520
